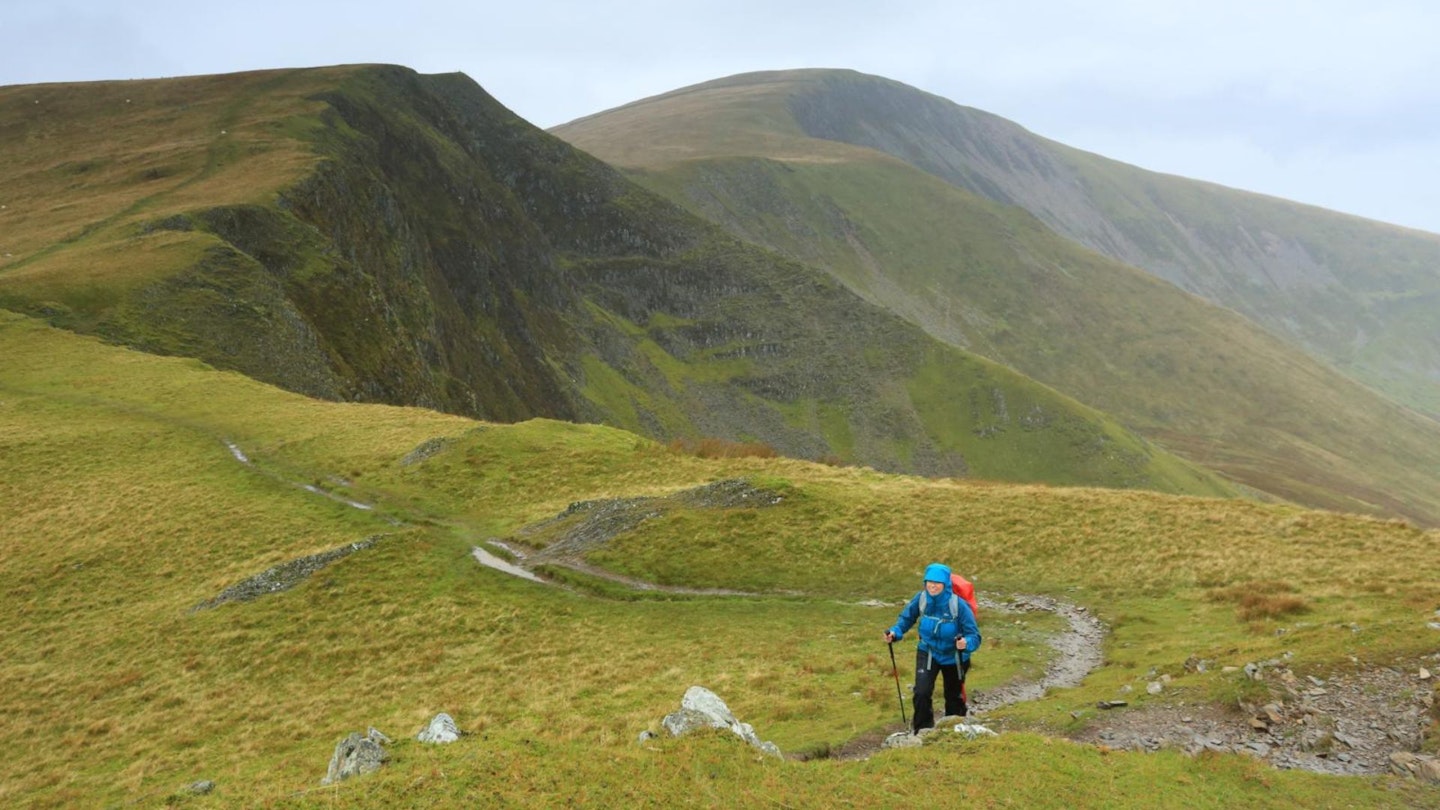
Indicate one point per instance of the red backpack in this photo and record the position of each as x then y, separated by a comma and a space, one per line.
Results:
961, 587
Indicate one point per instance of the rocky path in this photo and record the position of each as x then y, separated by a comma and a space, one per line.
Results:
1078, 652
1363, 722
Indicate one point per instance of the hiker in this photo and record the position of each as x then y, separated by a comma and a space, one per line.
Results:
948, 635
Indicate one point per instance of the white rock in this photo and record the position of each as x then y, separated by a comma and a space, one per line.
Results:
442, 729
972, 731
1424, 674
1155, 687
902, 739
701, 708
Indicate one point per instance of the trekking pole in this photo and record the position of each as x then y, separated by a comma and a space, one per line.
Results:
895, 670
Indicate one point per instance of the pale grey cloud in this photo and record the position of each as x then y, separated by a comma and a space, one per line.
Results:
1332, 102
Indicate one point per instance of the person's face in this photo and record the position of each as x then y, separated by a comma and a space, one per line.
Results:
934, 588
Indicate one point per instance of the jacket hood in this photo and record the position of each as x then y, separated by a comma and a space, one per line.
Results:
938, 572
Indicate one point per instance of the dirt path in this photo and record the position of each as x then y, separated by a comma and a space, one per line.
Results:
526, 559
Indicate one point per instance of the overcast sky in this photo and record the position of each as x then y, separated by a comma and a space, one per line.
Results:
1329, 102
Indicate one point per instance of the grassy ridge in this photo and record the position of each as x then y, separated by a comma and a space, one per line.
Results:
124, 508
92, 163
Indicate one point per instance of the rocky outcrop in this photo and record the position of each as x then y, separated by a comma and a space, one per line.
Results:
285, 575
1419, 766
700, 709
356, 755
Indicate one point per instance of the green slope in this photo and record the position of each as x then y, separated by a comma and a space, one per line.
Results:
1359, 294
367, 233
995, 280
124, 508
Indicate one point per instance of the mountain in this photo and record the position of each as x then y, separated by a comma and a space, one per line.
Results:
751, 153
210, 581
1359, 294
367, 233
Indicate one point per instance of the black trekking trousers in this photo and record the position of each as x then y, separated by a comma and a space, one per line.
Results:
926, 671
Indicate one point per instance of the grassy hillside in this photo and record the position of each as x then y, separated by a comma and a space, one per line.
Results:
369, 234
995, 280
124, 508
1359, 294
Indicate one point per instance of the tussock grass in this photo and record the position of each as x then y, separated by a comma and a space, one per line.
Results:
123, 508
1261, 600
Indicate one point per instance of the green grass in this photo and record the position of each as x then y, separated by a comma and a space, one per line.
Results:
709, 770
124, 509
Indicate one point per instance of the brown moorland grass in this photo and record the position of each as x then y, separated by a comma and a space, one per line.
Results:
711, 447
84, 169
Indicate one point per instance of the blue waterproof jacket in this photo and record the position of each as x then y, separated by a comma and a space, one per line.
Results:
939, 627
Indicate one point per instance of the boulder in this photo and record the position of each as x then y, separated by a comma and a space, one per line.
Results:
902, 739
355, 755
442, 729
701, 708
1419, 766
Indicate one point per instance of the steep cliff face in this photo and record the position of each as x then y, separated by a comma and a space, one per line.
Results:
421, 245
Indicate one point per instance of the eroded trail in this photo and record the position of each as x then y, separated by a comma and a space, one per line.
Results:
1078, 652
